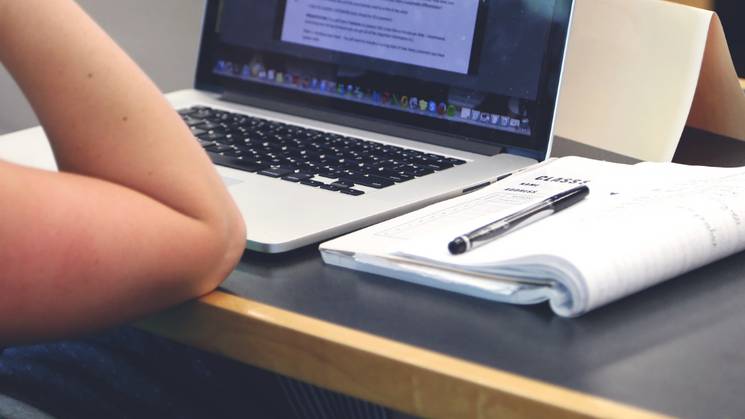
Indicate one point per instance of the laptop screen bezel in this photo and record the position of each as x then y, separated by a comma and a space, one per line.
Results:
306, 105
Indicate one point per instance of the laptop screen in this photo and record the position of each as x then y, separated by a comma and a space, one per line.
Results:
481, 70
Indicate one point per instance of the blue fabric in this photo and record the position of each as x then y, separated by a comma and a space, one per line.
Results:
311, 402
127, 373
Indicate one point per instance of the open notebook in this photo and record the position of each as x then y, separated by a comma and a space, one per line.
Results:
640, 225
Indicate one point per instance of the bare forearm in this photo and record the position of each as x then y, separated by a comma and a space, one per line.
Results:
163, 229
80, 254
103, 116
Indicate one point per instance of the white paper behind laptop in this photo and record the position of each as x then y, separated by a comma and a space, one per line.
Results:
638, 70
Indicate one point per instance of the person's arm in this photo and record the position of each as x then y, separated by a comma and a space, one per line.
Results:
136, 220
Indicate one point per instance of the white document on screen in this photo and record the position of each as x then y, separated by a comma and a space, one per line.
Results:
435, 34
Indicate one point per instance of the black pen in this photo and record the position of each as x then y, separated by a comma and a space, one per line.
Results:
531, 214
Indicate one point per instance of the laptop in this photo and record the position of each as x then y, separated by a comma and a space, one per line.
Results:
325, 116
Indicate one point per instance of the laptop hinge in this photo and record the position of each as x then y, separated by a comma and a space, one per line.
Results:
368, 124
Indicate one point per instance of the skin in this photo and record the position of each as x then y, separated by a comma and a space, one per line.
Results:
136, 220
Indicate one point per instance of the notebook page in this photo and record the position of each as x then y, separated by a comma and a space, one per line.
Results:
660, 233
661, 221
440, 223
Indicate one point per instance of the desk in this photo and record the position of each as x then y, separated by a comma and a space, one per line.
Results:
674, 349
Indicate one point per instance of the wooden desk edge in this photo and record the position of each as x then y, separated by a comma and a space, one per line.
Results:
403, 377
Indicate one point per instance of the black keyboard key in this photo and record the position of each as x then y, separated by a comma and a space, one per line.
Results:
232, 152
228, 139
343, 185
275, 172
193, 122
222, 116
256, 161
353, 192
313, 183
297, 177
421, 171
437, 165
234, 162
197, 132
218, 148
205, 144
329, 187
207, 125
397, 177
329, 173
201, 112
214, 136
369, 181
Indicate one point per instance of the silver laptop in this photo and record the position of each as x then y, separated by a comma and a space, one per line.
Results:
325, 116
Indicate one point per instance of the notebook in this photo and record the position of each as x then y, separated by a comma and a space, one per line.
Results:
325, 116
640, 225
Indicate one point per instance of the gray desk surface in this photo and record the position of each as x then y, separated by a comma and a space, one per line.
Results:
675, 348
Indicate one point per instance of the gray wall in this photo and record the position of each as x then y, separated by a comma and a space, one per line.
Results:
161, 35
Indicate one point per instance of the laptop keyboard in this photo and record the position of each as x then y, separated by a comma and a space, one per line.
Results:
307, 156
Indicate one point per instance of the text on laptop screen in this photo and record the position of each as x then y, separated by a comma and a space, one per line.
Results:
474, 68
439, 37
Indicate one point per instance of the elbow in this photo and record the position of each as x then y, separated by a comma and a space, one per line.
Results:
228, 242
235, 244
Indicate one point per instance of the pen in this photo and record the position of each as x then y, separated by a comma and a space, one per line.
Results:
531, 214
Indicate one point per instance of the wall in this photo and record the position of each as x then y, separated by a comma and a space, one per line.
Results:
161, 35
